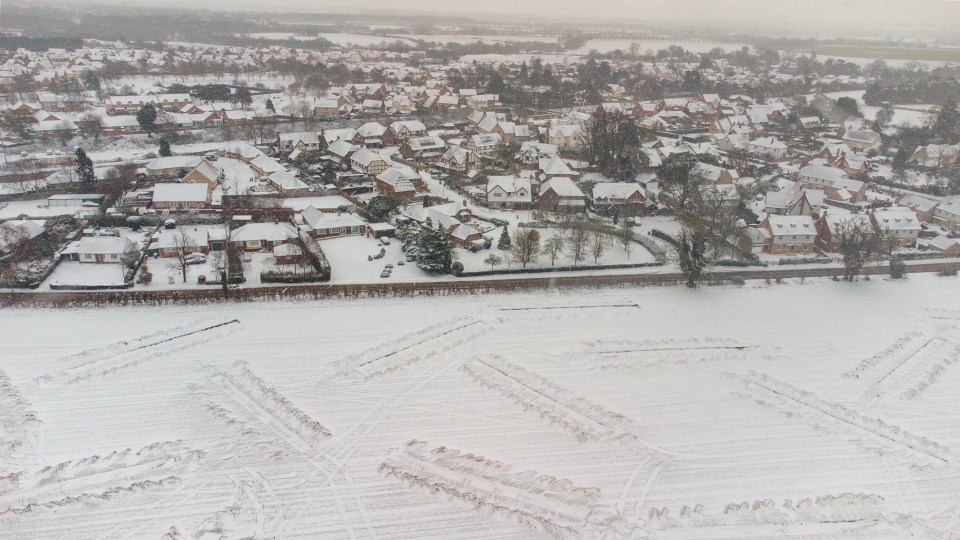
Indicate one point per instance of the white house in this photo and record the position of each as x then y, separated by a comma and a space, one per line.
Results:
511, 192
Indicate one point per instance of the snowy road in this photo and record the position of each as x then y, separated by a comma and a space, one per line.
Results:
821, 410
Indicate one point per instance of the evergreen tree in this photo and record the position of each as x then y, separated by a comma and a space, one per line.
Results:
691, 251
147, 118
435, 254
270, 106
243, 96
164, 149
85, 173
504, 242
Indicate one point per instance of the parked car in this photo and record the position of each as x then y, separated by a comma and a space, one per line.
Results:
383, 241
195, 258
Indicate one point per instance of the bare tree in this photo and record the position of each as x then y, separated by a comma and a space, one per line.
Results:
553, 247
181, 245
625, 235
579, 241
526, 245
493, 260
597, 244
300, 108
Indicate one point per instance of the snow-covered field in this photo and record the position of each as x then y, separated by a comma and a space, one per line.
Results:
695, 46
814, 410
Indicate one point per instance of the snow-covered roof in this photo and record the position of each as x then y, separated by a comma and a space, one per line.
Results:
269, 232
170, 192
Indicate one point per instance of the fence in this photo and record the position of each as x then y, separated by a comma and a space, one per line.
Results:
434, 288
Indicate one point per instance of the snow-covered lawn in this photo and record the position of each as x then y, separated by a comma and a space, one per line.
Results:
86, 274
761, 411
34, 208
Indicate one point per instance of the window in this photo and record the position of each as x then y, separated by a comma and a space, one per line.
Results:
113, 255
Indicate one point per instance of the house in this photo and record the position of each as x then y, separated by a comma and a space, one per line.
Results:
509, 192
371, 135
265, 165
425, 149
899, 225
565, 135
820, 176
240, 150
172, 165
922, 206
458, 159
715, 174
180, 197
326, 225
404, 130
257, 236
451, 216
862, 140
285, 182
484, 144
768, 147
936, 155
794, 200
555, 167
830, 224
288, 254
104, 249
307, 141
790, 234
560, 194
531, 152
947, 213
205, 173
340, 150
621, 198
400, 180
13, 232
367, 162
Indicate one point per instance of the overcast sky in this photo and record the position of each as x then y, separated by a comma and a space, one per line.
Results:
853, 15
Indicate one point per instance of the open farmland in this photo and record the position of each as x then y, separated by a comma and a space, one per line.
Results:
620, 413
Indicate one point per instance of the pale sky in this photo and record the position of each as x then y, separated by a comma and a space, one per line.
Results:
852, 15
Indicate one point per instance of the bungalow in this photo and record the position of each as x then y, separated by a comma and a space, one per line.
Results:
510, 192
180, 197
399, 180
560, 194
168, 242
715, 174
172, 165
622, 198
104, 249
265, 165
790, 234
899, 225
947, 213
258, 236
368, 162
114, 126
240, 150
326, 225
285, 182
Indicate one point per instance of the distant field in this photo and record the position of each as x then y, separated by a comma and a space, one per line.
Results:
888, 53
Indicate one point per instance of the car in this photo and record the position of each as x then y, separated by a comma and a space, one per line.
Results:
195, 258
384, 241
400, 263
384, 274
389, 266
